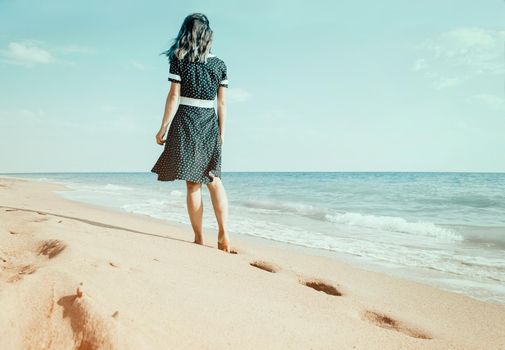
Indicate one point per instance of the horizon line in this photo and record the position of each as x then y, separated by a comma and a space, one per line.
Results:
264, 171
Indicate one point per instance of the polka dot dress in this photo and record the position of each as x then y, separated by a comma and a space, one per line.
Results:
193, 146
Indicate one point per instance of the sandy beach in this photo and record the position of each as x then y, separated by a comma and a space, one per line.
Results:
77, 276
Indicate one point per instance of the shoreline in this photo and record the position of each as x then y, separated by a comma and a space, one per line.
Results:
425, 275
272, 309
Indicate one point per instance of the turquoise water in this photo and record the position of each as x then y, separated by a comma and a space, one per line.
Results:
444, 229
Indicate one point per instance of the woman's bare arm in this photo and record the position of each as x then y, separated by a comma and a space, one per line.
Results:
221, 110
170, 109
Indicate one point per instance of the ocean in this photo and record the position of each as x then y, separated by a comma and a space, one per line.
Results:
442, 229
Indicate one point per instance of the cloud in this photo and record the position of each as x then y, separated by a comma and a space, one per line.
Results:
24, 116
140, 66
26, 54
420, 64
238, 95
459, 55
493, 102
100, 120
76, 49
30, 52
447, 82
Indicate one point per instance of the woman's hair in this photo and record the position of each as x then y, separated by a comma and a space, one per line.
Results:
194, 39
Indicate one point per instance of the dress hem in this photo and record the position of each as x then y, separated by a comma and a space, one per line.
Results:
166, 179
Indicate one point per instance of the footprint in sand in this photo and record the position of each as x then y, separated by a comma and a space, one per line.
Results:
387, 322
91, 329
51, 248
321, 286
26, 269
16, 273
265, 266
232, 251
14, 266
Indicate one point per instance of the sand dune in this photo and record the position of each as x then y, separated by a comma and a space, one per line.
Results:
76, 276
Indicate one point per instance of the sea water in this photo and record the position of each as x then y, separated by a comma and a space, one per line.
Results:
443, 229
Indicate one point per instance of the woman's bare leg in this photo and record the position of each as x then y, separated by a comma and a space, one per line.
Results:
195, 209
220, 204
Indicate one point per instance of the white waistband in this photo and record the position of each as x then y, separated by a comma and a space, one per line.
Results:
183, 100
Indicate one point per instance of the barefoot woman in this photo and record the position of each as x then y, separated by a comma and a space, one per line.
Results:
193, 145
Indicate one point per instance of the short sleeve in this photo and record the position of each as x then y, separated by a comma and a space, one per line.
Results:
224, 76
174, 72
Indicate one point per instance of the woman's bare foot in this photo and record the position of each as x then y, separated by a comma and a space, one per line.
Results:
223, 243
198, 240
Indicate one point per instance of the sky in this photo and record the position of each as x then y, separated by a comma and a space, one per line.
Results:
388, 85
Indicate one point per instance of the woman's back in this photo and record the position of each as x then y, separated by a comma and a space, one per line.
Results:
199, 80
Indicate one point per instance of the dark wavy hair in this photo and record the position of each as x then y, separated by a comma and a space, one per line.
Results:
194, 39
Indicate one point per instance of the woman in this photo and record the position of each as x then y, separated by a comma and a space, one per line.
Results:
193, 144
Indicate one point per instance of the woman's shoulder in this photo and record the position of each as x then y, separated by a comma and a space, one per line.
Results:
212, 56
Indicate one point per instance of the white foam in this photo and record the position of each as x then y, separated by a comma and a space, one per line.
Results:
107, 188
176, 193
288, 207
117, 187
395, 224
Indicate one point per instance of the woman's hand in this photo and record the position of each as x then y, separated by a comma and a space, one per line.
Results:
222, 138
160, 135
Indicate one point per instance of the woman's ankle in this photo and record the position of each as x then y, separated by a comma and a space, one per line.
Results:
222, 236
